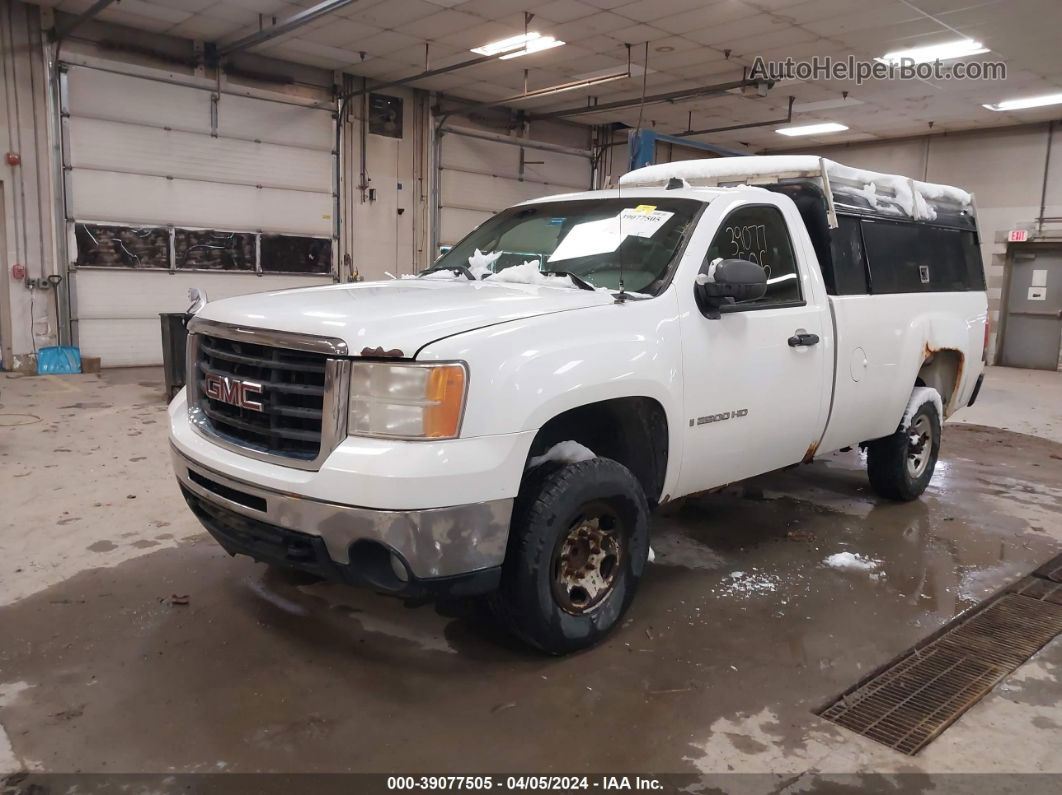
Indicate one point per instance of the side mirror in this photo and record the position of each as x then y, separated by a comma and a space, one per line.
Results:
723, 282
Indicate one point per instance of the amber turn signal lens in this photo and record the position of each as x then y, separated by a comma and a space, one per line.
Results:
446, 399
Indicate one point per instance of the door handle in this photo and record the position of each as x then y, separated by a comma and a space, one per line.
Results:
803, 340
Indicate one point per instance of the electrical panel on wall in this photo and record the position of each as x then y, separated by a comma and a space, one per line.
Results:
385, 115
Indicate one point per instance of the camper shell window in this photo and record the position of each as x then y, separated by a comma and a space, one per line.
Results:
867, 253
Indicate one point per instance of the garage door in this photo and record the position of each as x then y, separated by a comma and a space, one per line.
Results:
166, 189
478, 176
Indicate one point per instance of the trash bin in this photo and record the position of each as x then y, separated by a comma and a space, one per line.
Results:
174, 344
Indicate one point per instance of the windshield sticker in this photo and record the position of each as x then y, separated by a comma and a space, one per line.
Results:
643, 221
605, 235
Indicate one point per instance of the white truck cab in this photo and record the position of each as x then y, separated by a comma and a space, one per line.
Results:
504, 423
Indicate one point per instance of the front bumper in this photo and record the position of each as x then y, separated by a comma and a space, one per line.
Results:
457, 549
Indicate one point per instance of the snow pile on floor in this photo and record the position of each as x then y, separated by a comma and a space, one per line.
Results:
920, 395
569, 452
744, 584
848, 561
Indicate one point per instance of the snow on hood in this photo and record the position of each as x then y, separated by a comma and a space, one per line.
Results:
401, 315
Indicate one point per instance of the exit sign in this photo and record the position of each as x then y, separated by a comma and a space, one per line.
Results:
1018, 236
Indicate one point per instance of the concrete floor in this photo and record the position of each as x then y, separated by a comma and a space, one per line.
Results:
738, 633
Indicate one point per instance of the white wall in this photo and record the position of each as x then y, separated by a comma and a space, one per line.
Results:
1005, 170
27, 227
376, 237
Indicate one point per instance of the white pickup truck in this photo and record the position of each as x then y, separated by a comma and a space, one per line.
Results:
504, 423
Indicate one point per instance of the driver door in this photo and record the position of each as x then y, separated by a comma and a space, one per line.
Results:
754, 402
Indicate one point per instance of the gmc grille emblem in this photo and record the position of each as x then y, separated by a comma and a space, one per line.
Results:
233, 391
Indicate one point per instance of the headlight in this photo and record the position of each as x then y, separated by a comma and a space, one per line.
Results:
406, 401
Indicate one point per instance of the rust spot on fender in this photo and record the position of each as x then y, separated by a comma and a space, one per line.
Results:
809, 456
380, 353
927, 357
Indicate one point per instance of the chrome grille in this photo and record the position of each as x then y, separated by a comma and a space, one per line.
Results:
292, 398
302, 392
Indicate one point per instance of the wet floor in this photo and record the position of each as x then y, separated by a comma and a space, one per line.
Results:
183, 659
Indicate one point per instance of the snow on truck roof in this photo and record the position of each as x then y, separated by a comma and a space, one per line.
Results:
855, 188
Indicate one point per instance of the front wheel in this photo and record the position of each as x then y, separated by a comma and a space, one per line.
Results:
900, 466
577, 549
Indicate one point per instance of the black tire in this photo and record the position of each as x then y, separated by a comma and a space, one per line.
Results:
890, 460
556, 507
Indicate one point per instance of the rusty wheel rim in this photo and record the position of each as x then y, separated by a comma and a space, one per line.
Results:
587, 560
919, 446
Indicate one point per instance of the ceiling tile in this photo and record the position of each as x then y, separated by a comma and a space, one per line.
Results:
496, 9
341, 33
439, 24
600, 23
721, 36
650, 10
705, 16
638, 34
392, 14
483, 33
565, 10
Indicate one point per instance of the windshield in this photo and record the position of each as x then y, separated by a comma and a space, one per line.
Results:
592, 239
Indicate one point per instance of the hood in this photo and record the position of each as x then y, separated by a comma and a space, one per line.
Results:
402, 315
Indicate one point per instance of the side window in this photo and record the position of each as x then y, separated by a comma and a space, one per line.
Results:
759, 234
849, 259
919, 258
894, 254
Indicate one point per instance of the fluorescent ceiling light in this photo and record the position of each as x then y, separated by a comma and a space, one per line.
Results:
516, 46
512, 43
1027, 102
535, 45
812, 129
945, 51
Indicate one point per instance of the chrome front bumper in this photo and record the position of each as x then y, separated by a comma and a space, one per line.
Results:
432, 543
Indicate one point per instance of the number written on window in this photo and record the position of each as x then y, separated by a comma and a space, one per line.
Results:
759, 234
749, 242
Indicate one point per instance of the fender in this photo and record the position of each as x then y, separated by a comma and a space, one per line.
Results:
524, 373
896, 335
932, 332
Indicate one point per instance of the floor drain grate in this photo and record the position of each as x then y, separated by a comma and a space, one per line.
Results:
913, 700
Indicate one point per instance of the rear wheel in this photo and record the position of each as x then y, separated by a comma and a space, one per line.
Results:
577, 549
900, 466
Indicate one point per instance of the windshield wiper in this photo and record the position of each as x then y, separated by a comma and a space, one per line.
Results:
578, 281
461, 269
